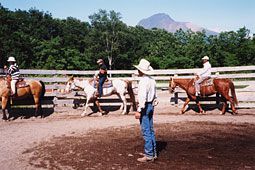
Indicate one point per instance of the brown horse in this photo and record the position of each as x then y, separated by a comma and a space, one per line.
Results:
35, 89
222, 86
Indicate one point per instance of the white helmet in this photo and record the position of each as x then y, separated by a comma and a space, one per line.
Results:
11, 59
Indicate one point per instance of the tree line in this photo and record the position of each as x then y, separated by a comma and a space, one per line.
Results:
39, 41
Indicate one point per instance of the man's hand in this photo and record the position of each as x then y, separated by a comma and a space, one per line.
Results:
5, 66
155, 102
137, 115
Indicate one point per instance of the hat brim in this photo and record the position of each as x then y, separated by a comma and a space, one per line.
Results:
11, 60
148, 72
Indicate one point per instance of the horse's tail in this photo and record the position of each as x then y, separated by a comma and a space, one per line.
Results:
43, 89
233, 92
131, 94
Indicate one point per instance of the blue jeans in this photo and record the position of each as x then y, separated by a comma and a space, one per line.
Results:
100, 88
146, 122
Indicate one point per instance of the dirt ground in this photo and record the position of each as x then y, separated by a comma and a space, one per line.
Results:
65, 140
190, 145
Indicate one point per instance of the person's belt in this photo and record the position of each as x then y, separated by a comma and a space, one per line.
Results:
149, 102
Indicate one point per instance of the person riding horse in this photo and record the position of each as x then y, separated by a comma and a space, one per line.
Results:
13, 72
204, 74
102, 76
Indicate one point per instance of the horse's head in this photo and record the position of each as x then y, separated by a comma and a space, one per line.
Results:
70, 85
172, 85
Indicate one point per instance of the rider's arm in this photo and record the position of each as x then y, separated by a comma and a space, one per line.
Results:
102, 71
204, 70
141, 95
96, 74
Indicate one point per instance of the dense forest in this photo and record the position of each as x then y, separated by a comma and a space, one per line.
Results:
37, 40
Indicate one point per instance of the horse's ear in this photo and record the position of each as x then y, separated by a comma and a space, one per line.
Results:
71, 78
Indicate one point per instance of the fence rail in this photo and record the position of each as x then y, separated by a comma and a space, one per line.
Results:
243, 77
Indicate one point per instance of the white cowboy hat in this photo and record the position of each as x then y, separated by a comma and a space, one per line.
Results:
144, 67
205, 58
100, 61
11, 59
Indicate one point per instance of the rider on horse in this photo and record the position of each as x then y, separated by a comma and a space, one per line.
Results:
204, 74
13, 72
102, 75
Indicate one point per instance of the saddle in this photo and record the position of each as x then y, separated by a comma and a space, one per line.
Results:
207, 82
21, 83
107, 83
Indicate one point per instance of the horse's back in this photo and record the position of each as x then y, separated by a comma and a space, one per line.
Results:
36, 87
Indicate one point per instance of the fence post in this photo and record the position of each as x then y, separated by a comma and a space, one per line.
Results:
217, 94
175, 98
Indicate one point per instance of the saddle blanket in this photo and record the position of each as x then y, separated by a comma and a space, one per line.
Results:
21, 83
107, 84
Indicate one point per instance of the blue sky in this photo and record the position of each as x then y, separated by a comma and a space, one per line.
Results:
217, 15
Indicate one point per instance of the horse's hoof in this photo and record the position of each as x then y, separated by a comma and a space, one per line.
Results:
4, 120
83, 114
124, 113
181, 112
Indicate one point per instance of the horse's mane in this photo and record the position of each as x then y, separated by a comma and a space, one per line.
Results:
2, 77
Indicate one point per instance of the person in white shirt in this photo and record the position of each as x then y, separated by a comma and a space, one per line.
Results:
205, 73
146, 102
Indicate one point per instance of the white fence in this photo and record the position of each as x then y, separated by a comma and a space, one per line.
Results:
243, 77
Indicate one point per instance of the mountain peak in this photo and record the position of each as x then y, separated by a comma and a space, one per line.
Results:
164, 21
160, 20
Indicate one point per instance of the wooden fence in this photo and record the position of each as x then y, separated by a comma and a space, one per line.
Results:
243, 77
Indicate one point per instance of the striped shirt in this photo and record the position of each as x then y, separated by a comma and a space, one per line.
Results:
13, 70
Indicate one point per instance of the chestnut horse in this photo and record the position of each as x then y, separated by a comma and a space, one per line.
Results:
220, 85
119, 87
35, 89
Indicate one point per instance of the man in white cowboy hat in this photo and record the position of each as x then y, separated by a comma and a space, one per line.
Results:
205, 73
102, 75
13, 71
146, 99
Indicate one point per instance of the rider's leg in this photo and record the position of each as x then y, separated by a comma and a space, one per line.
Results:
100, 88
13, 88
197, 85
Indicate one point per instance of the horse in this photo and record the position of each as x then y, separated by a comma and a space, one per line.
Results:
219, 85
119, 87
32, 88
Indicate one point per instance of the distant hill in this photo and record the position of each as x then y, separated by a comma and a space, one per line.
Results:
164, 21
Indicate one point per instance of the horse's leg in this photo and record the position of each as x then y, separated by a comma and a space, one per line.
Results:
228, 98
124, 100
84, 113
99, 107
223, 110
232, 105
199, 107
185, 104
121, 105
4, 105
37, 105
